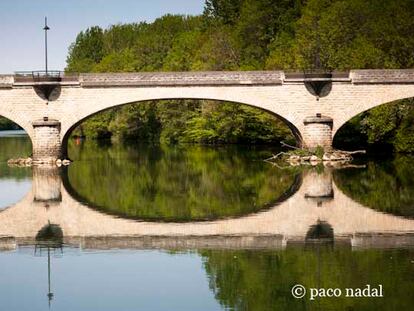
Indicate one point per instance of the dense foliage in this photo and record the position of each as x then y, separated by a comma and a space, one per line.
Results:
252, 35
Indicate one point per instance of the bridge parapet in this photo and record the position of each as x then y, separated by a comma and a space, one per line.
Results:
182, 78
301, 77
208, 78
379, 76
6, 81
33, 78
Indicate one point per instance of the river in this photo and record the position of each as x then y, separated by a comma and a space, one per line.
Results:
155, 227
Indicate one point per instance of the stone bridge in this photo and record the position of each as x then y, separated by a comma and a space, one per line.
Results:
313, 107
318, 202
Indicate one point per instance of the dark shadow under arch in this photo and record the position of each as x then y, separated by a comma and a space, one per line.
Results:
295, 131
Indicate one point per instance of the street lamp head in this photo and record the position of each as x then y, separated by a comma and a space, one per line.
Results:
46, 26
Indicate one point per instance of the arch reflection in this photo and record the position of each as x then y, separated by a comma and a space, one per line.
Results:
384, 185
176, 184
317, 202
14, 184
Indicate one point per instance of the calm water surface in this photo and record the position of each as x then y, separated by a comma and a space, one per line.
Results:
135, 227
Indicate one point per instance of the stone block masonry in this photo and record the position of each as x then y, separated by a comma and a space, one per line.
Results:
6, 81
46, 141
87, 94
182, 78
46, 184
318, 132
276, 227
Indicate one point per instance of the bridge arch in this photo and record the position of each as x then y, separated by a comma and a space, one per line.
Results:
17, 119
342, 122
370, 101
314, 122
67, 129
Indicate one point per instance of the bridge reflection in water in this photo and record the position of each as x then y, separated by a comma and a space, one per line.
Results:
317, 211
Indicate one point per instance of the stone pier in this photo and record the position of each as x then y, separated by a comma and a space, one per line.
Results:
318, 186
317, 132
46, 184
47, 147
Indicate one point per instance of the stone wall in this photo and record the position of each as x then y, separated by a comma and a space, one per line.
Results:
46, 184
268, 91
6, 81
46, 141
317, 132
382, 76
181, 78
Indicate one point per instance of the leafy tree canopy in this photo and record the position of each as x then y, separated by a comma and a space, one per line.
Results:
252, 35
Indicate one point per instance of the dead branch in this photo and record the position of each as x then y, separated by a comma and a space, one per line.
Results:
275, 156
289, 146
350, 152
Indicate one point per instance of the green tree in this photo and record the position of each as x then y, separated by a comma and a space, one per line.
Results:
86, 51
253, 35
226, 11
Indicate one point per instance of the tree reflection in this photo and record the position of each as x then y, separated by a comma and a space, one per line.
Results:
175, 183
386, 185
262, 281
13, 146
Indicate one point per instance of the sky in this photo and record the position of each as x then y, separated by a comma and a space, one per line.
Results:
22, 22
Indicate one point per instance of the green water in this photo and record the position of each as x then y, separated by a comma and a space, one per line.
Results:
200, 183
385, 185
251, 280
183, 183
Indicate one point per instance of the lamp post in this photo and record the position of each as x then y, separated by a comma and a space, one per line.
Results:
49, 294
50, 237
46, 28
